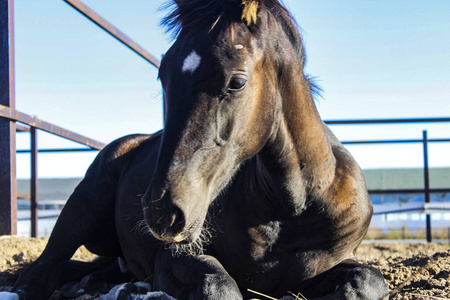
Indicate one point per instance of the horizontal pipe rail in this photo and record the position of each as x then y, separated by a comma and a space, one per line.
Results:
426, 209
58, 150
18, 116
408, 191
387, 121
23, 196
112, 30
21, 128
412, 141
40, 217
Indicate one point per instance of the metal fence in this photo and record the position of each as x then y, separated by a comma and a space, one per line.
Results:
9, 116
425, 141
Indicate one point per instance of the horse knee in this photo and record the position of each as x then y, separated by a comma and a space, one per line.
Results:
219, 286
363, 283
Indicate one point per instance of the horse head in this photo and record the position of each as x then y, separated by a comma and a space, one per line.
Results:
223, 80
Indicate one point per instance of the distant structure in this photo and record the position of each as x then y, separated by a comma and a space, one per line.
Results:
408, 178
376, 179
54, 192
50, 189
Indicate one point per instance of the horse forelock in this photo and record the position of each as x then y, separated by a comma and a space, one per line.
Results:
196, 14
250, 11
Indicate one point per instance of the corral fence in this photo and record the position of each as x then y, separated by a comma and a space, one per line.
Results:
427, 206
12, 121
10, 117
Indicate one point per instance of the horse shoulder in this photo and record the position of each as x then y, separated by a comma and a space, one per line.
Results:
348, 183
348, 186
117, 153
104, 172
347, 198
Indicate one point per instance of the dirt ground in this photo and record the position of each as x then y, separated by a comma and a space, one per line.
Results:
425, 267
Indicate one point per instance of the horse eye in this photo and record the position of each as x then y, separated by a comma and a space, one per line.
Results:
237, 83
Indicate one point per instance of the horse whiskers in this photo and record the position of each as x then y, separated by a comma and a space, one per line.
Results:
148, 279
138, 226
160, 198
195, 248
141, 227
159, 220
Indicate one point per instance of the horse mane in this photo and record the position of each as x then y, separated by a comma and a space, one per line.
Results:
197, 14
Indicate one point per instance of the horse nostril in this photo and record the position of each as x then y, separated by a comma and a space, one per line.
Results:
176, 220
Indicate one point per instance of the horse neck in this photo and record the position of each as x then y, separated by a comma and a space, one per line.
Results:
298, 160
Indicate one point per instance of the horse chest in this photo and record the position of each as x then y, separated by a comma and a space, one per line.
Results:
263, 238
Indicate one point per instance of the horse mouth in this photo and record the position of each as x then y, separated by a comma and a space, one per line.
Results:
187, 237
193, 245
178, 239
190, 234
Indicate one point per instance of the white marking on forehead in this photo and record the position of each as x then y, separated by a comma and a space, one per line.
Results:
238, 47
191, 62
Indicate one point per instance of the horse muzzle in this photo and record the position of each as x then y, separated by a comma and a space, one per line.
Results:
167, 221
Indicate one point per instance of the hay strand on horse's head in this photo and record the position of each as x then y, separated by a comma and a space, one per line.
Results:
250, 12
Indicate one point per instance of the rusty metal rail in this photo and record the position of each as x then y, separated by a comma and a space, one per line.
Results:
387, 121
33, 122
9, 116
112, 30
8, 192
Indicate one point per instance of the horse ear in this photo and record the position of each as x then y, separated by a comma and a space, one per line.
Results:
250, 11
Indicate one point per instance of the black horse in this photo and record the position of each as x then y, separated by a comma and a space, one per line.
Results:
245, 188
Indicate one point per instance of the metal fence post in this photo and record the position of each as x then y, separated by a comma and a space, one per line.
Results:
8, 180
426, 177
34, 183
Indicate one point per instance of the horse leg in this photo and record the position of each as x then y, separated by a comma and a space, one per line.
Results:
193, 277
54, 267
347, 280
98, 276
88, 214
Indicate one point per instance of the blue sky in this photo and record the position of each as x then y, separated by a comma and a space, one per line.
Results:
373, 59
